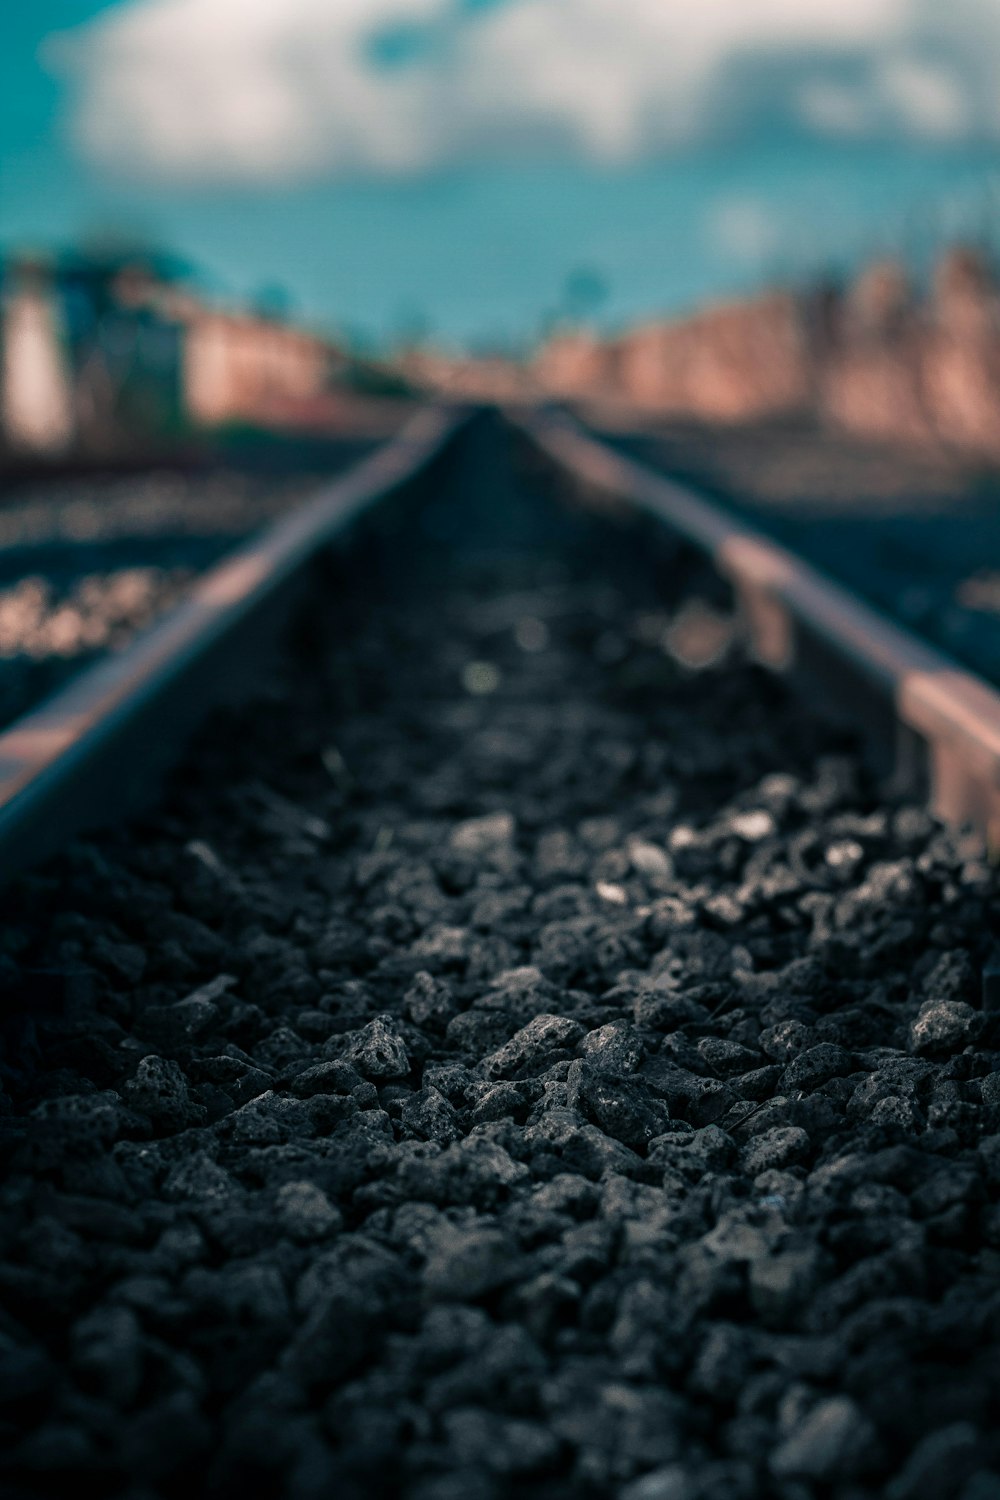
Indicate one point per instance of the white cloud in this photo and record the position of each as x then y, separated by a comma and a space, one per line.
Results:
261, 90
928, 97
835, 108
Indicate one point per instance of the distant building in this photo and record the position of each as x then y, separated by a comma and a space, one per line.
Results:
243, 368
36, 400
727, 364
575, 365
112, 350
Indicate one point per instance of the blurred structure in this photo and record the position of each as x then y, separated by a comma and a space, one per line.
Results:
962, 363
453, 377
875, 359
112, 351
906, 369
733, 363
575, 364
116, 352
36, 406
868, 373
729, 364
240, 368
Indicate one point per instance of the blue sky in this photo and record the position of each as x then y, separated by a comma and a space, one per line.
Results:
449, 163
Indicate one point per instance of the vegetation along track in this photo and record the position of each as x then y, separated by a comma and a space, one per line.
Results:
524, 1052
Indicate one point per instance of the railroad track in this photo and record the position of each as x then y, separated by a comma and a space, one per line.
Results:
914, 532
526, 1048
940, 721
91, 553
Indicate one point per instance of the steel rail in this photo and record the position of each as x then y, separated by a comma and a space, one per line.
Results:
944, 720
94, 749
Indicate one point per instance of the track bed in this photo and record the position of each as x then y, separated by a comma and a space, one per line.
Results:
523, 1054
88, 562
915, 532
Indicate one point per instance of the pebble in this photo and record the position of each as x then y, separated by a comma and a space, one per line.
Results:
158, 1088
833, 1442
305, 1212
378, 1050
943, 1027
782, 1146
539, 1109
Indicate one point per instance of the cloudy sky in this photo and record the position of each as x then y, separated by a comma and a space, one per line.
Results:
275, 138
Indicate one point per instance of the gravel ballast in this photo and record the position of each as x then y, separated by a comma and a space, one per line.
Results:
86, 564
524, 1054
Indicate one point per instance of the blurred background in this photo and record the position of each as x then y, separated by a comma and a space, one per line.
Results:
752, 241
472, 176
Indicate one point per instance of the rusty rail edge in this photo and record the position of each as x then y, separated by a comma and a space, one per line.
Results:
94, 749
950, 716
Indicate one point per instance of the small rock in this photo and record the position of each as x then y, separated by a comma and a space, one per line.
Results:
533, 1046
177, 1025
650, 860
580, 1146
785, 1040
623, 1107
781, 1146
335, 1077
305, 1212
780, 1284
939, 1464
726, 1056
429, 1001
429, 1116
694, 1153
465, 1264
815, 1066
614, 1047
833, 1443
479, 836
159, 1089
753, 825
377, 1050
943, 1027
668, 1483
505, 1445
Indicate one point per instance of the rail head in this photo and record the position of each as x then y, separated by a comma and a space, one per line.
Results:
785, 601
82, 755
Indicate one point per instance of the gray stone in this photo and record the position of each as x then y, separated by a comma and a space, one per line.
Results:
815, 1066
834, 1442
623, 1107
159, 1089
782, 1146
479, 836
305, 1212
580, 1146
614, 1046
939, 1464
377, 1050
671, 1482
429, 1116
533, 1047
465, 1264
694, 1153
943, 1027
429, 1001
785, 1040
